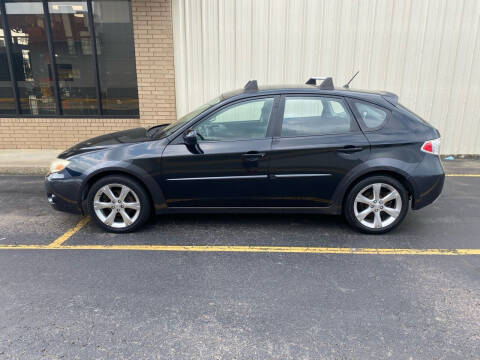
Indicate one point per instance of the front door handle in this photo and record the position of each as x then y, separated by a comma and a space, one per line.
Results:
253, 155
350, 149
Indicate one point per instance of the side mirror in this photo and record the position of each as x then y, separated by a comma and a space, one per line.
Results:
190, 137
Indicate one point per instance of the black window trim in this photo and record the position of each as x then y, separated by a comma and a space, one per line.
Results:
351, 102
281, 111
53, 68
67, 116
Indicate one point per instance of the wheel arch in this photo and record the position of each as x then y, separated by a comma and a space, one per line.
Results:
151, 187
402, 178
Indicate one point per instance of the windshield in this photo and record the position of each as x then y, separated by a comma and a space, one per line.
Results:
171, 128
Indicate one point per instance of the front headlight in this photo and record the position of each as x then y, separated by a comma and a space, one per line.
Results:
58, 165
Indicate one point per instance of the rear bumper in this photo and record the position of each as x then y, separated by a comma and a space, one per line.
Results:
427, 179
62, 193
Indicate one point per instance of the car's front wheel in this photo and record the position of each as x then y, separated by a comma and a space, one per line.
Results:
118, 204
376, 204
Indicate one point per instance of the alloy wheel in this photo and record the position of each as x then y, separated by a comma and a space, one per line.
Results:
377, 205
116, 205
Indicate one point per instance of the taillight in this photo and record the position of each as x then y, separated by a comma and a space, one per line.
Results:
431, 146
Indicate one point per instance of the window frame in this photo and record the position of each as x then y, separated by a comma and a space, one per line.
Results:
361, 123
341, 99
53, 68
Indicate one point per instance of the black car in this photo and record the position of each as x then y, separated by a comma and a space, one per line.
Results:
309, 148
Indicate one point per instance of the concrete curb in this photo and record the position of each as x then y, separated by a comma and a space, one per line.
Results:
462, 157
23, 170
26, 161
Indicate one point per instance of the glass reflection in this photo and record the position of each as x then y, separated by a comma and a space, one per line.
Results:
30, 57
116, 56
7, 102
73, 57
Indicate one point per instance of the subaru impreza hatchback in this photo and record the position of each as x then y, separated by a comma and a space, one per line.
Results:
309, 148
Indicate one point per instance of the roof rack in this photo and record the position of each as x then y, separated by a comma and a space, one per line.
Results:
326, 84
251, 85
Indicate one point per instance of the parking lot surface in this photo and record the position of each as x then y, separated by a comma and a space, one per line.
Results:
228, 292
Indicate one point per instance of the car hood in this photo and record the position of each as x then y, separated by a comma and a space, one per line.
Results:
107, 141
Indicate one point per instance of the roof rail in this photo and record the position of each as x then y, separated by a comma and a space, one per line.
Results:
326, 84
251, 85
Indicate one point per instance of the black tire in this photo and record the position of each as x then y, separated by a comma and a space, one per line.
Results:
138, 190
349, 204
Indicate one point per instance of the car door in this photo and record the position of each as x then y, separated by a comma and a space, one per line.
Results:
229, 165
317, 141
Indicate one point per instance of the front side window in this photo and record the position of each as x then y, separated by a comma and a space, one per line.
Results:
310, 116
55, 50
372, 116
242, 121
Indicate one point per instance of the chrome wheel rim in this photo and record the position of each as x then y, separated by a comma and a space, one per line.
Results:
377, 205
116, 205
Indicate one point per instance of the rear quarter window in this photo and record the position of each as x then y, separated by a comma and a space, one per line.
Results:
373, 117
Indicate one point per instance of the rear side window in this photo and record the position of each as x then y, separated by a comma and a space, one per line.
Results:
373, 116
309, 116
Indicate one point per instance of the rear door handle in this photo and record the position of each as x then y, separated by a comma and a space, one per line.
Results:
350, 149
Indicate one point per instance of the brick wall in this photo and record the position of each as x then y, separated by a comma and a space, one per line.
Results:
152, 26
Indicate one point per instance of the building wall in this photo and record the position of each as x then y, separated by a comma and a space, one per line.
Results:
428, 52
152, 26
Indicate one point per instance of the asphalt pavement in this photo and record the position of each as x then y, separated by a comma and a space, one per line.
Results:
102, 303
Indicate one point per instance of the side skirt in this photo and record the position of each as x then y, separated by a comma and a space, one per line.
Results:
333, 210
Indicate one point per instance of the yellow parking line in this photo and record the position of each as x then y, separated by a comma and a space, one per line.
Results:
24, 247
61, 239
253, 249
463, 175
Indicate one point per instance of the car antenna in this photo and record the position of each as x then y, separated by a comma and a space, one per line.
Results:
347, 85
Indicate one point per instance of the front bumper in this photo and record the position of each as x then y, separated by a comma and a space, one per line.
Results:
428, 180
62, 193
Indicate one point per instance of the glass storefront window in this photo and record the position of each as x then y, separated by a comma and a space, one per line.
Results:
31, 59
7, 102
74, 57
63, 52
116, 61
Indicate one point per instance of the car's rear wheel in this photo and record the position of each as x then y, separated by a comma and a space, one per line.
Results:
376, 204
118, 204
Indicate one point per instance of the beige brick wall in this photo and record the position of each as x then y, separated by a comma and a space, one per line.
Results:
152, 26
55, 133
